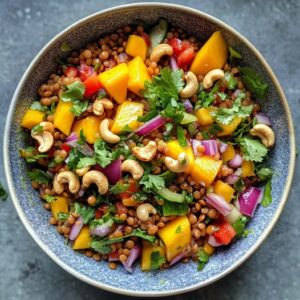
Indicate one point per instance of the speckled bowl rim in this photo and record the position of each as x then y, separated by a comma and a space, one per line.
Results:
267, 230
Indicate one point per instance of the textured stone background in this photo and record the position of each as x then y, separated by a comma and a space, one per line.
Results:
273, 272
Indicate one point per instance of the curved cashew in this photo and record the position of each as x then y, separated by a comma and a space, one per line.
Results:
191, 86
179, 165
66, 177
82, 171
133, 167
146, 153
100, 105
159, 51
48, 126
97, 178
45, 140
106, 134
211, 77
265, 133
144, 210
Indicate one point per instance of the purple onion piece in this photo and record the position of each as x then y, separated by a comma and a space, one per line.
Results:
236, 161
219, 203
150, 125
263, 119
232, 178
133, 256
113, 171
177, 258
195, 145
188, 106
211, 147
72, 138
173, 63
249, 199
76, 227
213, 242
223, 147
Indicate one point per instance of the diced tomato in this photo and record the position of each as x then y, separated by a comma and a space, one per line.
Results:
146, 37
66, 147
71, 72
85, 71
121, 209
222, 89
98, 214
102, 210
133, 187
185, 57
178, 45
114, 256
225, 234
51, 152
92, 85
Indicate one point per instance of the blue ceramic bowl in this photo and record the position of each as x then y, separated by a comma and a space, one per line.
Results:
182, 277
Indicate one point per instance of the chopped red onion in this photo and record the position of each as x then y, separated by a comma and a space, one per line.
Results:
81, 193
121, 228
177, 258
263, 119
76, 227
236, 161
249, 199
150, 125
188, 106
173, 63
232, 178
195, 145
236, 93
123, 57
72, 138
233, 216
85, 149
223, 147
213, 242
219, 203
133, 256
113, 171
211, 147
101, 230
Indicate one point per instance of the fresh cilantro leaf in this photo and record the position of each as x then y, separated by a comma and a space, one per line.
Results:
212, 130
73, 158
106, 219
140, 196
39, 176
188, 118
86, 162
176, 113
192, 128
36, 105
181, 136
56, 161
103, 154
168, 177
87, 213
64, 47
150, 115
205, 99
143, 235
74, 92
267, 197
156, 260
231, 81
254, 82
121, 149
3, 193
101, 245
222, 95
203, 258
62, 216
243, 128
119, 188
264, 173
233, 54
239, 185
189, 198
152, 182
31, 155
126, 128
49, 198
174, 209
79, 107
253, 149
240, 225
82, 138
178, 229
37, 129
163, 88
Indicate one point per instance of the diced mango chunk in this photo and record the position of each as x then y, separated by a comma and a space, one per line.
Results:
230, 128
129, 201
175, 236
115, 82
90, 128
136, 47
225, 190
32, 118
228, 154
63, 117
206, 169
60, 204
147, 251
247, 168
138, 74
203, 115
127, 114
83, 240
212, 55
174, 149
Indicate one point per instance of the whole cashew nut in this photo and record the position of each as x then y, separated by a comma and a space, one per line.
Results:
100, 105
106, 134
82, 171
45, 140
144, 210
265, 133
159, 51
97, 178
66, 177
179, 165
133, 167
146, 153
191, 86
211, 77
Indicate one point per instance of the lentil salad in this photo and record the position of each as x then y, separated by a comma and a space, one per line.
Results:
149, 145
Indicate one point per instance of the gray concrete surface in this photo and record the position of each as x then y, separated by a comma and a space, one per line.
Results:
273, 272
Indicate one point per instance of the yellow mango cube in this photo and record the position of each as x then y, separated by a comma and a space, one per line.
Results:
115, 81
228, 154
63, 117
127, 114
147, 251
230, 128
174, 149
60, 204
225, 190
90, 128
136, 47
138, 74
175, 236
206, 169
32, 118
247, 168
212, 55
203, 115
83, 240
